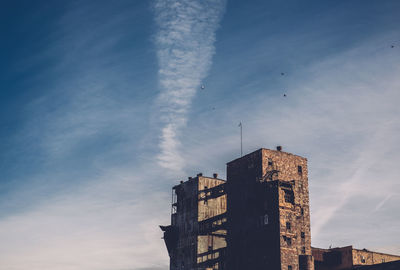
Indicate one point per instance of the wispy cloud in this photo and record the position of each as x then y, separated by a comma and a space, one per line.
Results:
104, 225
185, 44
81, 196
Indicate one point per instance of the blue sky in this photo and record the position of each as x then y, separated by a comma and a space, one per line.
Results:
102, 111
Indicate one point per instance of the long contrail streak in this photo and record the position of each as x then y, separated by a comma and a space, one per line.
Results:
185, 46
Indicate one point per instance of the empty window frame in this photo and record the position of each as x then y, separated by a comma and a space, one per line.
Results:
288, 240
289, 267
300, 169
303, 235
288, 226
289, 197
270, 162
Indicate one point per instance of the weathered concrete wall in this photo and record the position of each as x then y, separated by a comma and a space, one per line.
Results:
185, 220
253, 232
209, 207
294, 214
345, 258
366, 257
275, 184
333, 259
192, 208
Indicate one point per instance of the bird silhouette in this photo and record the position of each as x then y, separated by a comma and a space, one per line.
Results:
284, 95
282, 73
392, 46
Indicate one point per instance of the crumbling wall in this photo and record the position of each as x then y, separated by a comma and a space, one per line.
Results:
366, 257
294, 215
345, 258
210, 206
184, 220
274, 184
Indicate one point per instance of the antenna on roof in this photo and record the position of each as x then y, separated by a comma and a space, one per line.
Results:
241, 140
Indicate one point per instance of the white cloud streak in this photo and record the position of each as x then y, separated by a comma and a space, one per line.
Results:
185, 44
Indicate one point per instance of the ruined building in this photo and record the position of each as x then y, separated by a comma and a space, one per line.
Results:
258, 219
268, 212
351, 258
196, 238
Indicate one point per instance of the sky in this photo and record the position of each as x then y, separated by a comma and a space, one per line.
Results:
104, 106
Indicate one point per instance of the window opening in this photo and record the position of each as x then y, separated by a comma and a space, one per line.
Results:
288, 226
270, 162
289, 196
288, 240
299, 169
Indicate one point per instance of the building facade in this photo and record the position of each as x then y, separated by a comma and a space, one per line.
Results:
196, 237
258, 219
343, 258
268, 212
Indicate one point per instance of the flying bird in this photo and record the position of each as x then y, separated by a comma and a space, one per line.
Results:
392, 46
282, 73
284, 95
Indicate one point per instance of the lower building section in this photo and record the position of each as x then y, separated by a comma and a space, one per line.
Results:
348, 258
196, 238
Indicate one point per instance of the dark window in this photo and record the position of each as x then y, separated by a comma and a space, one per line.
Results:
303, 235
289, 267
302, 211
289, 196
299, 169
288, 226
303, 250
269, 162
288, 240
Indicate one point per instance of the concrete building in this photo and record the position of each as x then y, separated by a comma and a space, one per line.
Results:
196, 237
258, 219
268, 212
344, 258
